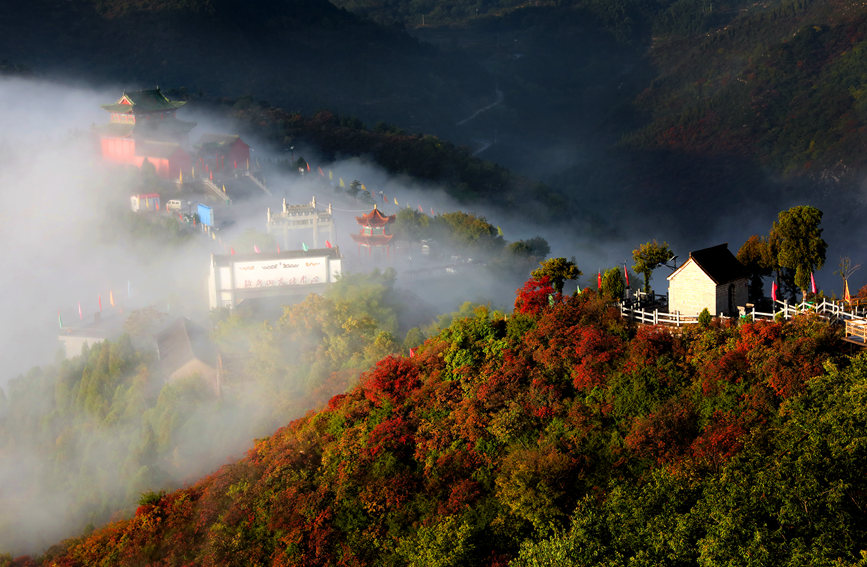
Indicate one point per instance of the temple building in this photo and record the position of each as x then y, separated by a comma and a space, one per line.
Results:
222, 152
372, 233
143, 127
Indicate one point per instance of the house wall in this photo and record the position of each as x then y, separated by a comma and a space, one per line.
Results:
741, 296
690, 290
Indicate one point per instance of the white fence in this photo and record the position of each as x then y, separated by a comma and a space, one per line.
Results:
825, 308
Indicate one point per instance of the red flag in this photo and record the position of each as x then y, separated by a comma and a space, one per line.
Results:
599, 280
812, 283
420, 209
774, 291
412, 352
80, 316
278, 249
320, 171
255, 249
100, 303
432, 212
847, 297
231, 251
327, 244
308, 168
384, 199
625, 271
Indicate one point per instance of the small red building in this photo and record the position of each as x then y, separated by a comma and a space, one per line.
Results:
223, 152
372, 233
143, 127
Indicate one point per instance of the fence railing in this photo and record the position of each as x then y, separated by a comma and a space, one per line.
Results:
825, 308
857, 329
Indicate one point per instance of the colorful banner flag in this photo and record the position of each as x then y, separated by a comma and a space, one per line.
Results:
99, 301
321, 173
420, 209
499, 231
626, 273
255, 248
384, 198
80, 314
847, 297
432, 212
59, 320
412, 352
342, 184
110, 298
231, 251
327, 244
278, 249
599, 280
304, 246
812, 283
395, 202
774, 291
308, 167
330, 175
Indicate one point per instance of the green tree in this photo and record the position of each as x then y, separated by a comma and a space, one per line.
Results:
797, 239
558, 270
411, 225
613, 284
648, 257
532, 247
758, 258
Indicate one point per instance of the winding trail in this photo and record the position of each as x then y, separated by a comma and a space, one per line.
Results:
483, 109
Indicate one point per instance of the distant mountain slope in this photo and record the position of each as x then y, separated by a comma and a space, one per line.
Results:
305, 54
782, 82
555, 436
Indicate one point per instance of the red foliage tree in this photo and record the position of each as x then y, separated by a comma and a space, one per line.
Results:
535, 296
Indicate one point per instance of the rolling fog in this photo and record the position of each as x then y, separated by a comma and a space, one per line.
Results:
62, 252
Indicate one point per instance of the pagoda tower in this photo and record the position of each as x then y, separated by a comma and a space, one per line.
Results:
372, 233
142, 127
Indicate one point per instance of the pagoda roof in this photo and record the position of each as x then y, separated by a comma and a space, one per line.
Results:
150, 100
375, 218
372, 239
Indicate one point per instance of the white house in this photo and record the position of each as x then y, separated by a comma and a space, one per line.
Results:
711, 278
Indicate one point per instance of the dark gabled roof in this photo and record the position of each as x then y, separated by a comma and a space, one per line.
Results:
150, 100
181, 342
719, 264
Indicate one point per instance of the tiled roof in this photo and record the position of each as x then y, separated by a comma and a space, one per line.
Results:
719, 264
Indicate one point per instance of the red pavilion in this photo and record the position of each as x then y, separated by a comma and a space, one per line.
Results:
372, 232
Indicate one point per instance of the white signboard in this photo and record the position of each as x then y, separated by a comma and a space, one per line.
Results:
282, 272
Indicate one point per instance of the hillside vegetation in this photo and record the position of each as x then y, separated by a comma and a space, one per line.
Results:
554, 435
